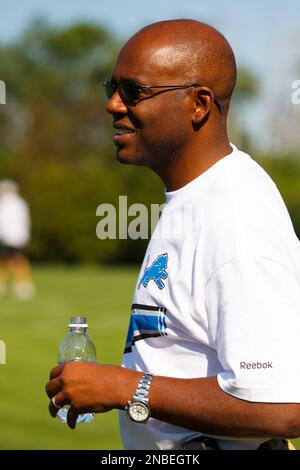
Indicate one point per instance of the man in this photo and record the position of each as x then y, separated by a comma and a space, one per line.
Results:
212, 348
14, 235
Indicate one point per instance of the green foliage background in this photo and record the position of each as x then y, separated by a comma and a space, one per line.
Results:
55, 139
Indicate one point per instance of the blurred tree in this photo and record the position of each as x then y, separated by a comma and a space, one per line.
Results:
56, 140
283, 119
54, 78
285, 171
247, 89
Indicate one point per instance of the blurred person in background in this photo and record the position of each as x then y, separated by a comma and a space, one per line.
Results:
14, 235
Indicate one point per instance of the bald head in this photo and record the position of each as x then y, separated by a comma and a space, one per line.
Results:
190, 52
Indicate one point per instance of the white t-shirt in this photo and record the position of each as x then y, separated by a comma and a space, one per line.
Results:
14, 220
218, 294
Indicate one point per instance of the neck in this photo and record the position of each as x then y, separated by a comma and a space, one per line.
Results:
193, 162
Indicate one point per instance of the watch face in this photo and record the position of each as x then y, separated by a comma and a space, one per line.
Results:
138, 411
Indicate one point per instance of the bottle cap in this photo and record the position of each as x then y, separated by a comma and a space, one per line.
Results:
78, 321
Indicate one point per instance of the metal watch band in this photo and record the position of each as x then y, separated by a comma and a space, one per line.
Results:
142, 391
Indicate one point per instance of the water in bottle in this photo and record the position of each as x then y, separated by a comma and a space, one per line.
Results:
77, 345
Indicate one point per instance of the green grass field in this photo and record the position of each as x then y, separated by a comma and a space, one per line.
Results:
32, 331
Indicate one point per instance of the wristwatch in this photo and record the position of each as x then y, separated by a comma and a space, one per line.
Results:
138, 408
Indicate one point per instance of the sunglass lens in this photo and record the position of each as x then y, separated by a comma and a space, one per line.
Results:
130, 92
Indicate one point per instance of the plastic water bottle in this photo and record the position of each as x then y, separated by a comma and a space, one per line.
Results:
77, 345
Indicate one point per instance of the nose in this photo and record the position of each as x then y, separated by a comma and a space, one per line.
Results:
115, 104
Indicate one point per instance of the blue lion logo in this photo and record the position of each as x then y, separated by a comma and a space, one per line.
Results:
157, 271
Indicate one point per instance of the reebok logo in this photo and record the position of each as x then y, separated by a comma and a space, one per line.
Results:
256, 365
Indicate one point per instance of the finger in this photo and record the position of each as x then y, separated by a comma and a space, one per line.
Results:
60, 401
72, 418
53, 387
56, 371
52, 409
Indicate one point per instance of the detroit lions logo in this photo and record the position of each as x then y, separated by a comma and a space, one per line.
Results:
157, 271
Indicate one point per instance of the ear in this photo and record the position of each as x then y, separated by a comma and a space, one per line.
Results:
202, 105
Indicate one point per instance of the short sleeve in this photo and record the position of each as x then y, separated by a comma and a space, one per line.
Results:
253, 309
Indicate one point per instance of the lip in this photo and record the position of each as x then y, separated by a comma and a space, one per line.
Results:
126, 133
122, 138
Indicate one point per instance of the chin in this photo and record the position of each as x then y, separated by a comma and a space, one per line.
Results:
129, 159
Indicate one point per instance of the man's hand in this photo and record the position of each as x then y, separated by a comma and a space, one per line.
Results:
89, 387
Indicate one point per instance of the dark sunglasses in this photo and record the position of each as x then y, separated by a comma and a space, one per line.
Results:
131, 93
